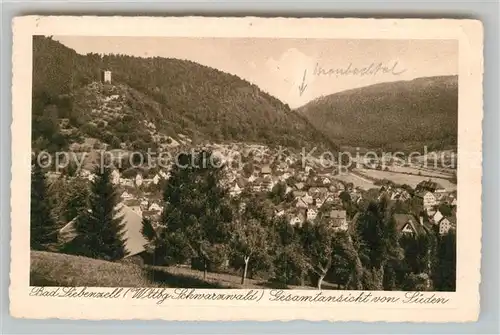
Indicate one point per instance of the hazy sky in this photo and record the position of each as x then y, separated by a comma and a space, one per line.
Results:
281, 66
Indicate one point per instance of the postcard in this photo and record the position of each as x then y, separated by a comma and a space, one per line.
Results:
194, 168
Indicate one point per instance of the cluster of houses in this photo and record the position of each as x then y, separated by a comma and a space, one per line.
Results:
138, 180
431, 196
311, 195
307, 194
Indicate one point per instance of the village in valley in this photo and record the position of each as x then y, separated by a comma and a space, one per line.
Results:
309, 190
280, 204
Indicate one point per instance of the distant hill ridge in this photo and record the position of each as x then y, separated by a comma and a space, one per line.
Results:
394, 115
179, 97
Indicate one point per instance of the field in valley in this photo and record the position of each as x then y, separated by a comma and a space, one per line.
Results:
357, 181
403, 178
423, 171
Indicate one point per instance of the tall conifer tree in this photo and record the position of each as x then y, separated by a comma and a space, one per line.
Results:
101, 231
43, 226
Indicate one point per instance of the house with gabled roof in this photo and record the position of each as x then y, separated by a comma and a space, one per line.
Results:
427, 198
298, 194
153, 206
138, 180
299, 203
156, 179
437, 217
338, 219
297, 218
446, 224
257, 185
311, 213
308, 199
299, 186
126, 196
408, 224
266, 170
237, 187
115, 177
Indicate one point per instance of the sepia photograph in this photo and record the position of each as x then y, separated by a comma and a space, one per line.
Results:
273, 167
244, 163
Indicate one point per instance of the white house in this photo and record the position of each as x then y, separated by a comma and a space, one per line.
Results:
280, 212
437, 217
445, 225
300, 203
320, 201
326, 181
338, 219
440, 189
156, 179
308, 199
265, 170
312, 213
144, 204
115, 177
126, 196
235, 190
84, 173
126, 182
154, 207
268, 183
296, 220
299, 186
138, 180
428, 199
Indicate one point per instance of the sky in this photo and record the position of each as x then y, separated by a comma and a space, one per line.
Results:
295, 71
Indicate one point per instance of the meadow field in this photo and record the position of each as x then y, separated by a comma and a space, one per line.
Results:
55, 269
403, 178
423, 171
357, 181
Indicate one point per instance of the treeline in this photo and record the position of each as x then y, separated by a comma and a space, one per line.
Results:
193, 99
203, 226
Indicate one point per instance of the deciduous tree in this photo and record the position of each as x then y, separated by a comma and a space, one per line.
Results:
197, 208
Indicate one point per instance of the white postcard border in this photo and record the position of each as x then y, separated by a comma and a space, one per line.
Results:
463, 304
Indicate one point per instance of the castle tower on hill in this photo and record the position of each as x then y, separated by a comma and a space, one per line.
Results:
106, 76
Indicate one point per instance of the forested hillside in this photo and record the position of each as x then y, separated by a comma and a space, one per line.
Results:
402, 115
179, 97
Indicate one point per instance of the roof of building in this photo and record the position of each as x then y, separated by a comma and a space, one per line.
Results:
402, 220
265, 169
422, 194
452, 219
338, 214
132, 202
134, 242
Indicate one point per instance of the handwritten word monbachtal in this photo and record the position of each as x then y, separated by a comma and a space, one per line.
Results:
371, 70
